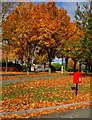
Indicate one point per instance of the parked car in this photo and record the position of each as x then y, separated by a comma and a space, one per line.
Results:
46, 66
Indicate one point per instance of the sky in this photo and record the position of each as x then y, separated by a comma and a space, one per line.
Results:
70, 7
45, 0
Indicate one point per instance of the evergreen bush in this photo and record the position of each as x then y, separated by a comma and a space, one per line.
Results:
56, 66
24, 67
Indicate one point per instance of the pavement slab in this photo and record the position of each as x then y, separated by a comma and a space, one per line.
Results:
41, 109
75, 113
31, 78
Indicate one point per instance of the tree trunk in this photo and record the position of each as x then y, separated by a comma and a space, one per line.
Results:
6, 64
91, 68
62, 66
66, 63
75, 65
62, 60
86, 67
28, 62
80, 66
49, 58
28, 65
44, 66
15, 61
50, 66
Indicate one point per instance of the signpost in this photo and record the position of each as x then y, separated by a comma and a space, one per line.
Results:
77, 79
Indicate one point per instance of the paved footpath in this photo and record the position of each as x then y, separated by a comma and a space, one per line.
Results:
31, 78
78, 113
45, 108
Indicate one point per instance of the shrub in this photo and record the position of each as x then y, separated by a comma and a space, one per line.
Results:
56, 66
53, 68
10, 63
24, 67
3, 60
3, 64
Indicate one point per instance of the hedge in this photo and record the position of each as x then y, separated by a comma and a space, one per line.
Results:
56, 66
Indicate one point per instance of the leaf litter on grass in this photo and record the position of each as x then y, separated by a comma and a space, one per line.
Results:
42, 93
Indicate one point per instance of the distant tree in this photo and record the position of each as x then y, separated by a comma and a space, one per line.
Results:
71, 64
20, 33
84, 18
73, 46
7, 8
40, 59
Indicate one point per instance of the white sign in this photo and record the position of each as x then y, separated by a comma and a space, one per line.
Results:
79, 79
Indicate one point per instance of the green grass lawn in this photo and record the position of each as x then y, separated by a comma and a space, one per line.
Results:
38, 94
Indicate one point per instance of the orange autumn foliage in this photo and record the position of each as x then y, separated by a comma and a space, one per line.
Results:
31, 24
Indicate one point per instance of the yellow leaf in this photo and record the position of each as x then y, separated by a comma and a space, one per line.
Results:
18, 43
71, 117
14, 38
25, 35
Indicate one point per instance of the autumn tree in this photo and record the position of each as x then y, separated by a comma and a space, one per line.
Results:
53, 27
32, 25
62, 47
21, 31
84, 18
73, 48
7, 8
71, 65
40, 56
